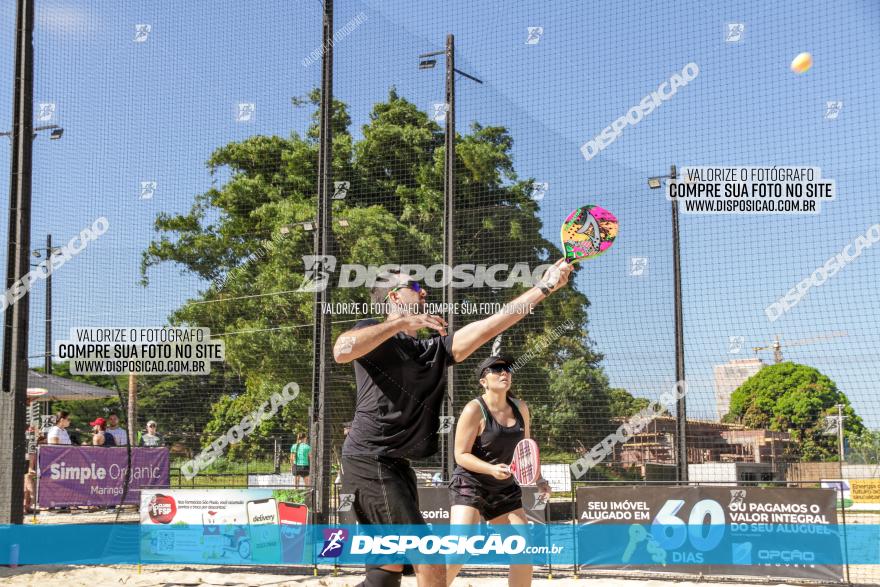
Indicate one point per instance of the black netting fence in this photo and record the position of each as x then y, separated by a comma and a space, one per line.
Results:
175, 184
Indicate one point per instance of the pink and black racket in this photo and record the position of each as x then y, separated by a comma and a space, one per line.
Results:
588, 232
526, 464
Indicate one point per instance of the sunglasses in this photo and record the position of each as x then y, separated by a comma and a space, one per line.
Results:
500, 369
413, 285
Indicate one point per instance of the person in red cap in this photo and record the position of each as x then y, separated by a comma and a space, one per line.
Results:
99, 435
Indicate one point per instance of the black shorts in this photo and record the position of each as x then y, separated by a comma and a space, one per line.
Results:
385, 492
490, 502
384, 488
301, 470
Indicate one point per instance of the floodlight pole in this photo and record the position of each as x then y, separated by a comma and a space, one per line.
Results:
321, 366
47, 343
449, 243
13, 378
841, 450
447, 457
681, 402
681, 464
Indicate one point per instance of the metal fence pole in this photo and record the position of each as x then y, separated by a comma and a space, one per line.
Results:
13, 397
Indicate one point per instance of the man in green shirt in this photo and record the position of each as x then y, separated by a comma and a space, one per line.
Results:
300, 459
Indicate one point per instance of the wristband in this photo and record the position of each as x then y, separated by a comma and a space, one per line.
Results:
543, 287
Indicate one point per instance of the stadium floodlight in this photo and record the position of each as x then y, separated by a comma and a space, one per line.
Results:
57, 132
427, 63
654, 182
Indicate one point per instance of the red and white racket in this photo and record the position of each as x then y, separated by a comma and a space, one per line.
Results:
526, 465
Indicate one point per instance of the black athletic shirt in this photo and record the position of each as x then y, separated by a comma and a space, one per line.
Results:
400, 389
495, 445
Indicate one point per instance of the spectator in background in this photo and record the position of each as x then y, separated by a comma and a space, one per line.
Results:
58, 432
34, 437
100, 435
150, 437
300, 458
119, 434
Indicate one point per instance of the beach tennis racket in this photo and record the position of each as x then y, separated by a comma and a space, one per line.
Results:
588, 232
526, 464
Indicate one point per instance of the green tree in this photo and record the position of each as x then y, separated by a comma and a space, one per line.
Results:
864, 448
577, 410
244, 239
793, 398
624, 404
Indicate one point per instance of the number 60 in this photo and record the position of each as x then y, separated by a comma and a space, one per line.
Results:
671, 532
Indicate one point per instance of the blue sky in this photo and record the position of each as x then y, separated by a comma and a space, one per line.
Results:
156, 110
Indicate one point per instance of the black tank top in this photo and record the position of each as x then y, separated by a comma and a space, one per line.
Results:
495, 445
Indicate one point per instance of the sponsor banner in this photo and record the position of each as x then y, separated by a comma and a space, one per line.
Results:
236, 526
94, 475
782, 532
597, 544
856, 494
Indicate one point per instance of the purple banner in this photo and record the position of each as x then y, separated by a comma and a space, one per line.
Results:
94, 475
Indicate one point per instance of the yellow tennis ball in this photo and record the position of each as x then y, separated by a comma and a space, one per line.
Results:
802, 63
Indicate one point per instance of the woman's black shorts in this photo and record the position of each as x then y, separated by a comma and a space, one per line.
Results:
491, 502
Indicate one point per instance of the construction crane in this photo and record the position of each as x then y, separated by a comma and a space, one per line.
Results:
777, 345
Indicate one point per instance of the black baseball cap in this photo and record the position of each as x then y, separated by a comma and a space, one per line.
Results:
494, 360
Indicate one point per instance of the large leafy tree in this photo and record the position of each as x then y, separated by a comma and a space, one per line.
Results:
794, 398
245, 238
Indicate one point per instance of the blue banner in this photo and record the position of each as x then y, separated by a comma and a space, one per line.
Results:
559, 544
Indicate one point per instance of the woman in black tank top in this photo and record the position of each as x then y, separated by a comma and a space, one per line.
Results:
486, 435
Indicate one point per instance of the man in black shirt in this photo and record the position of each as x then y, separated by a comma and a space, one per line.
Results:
401, 381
